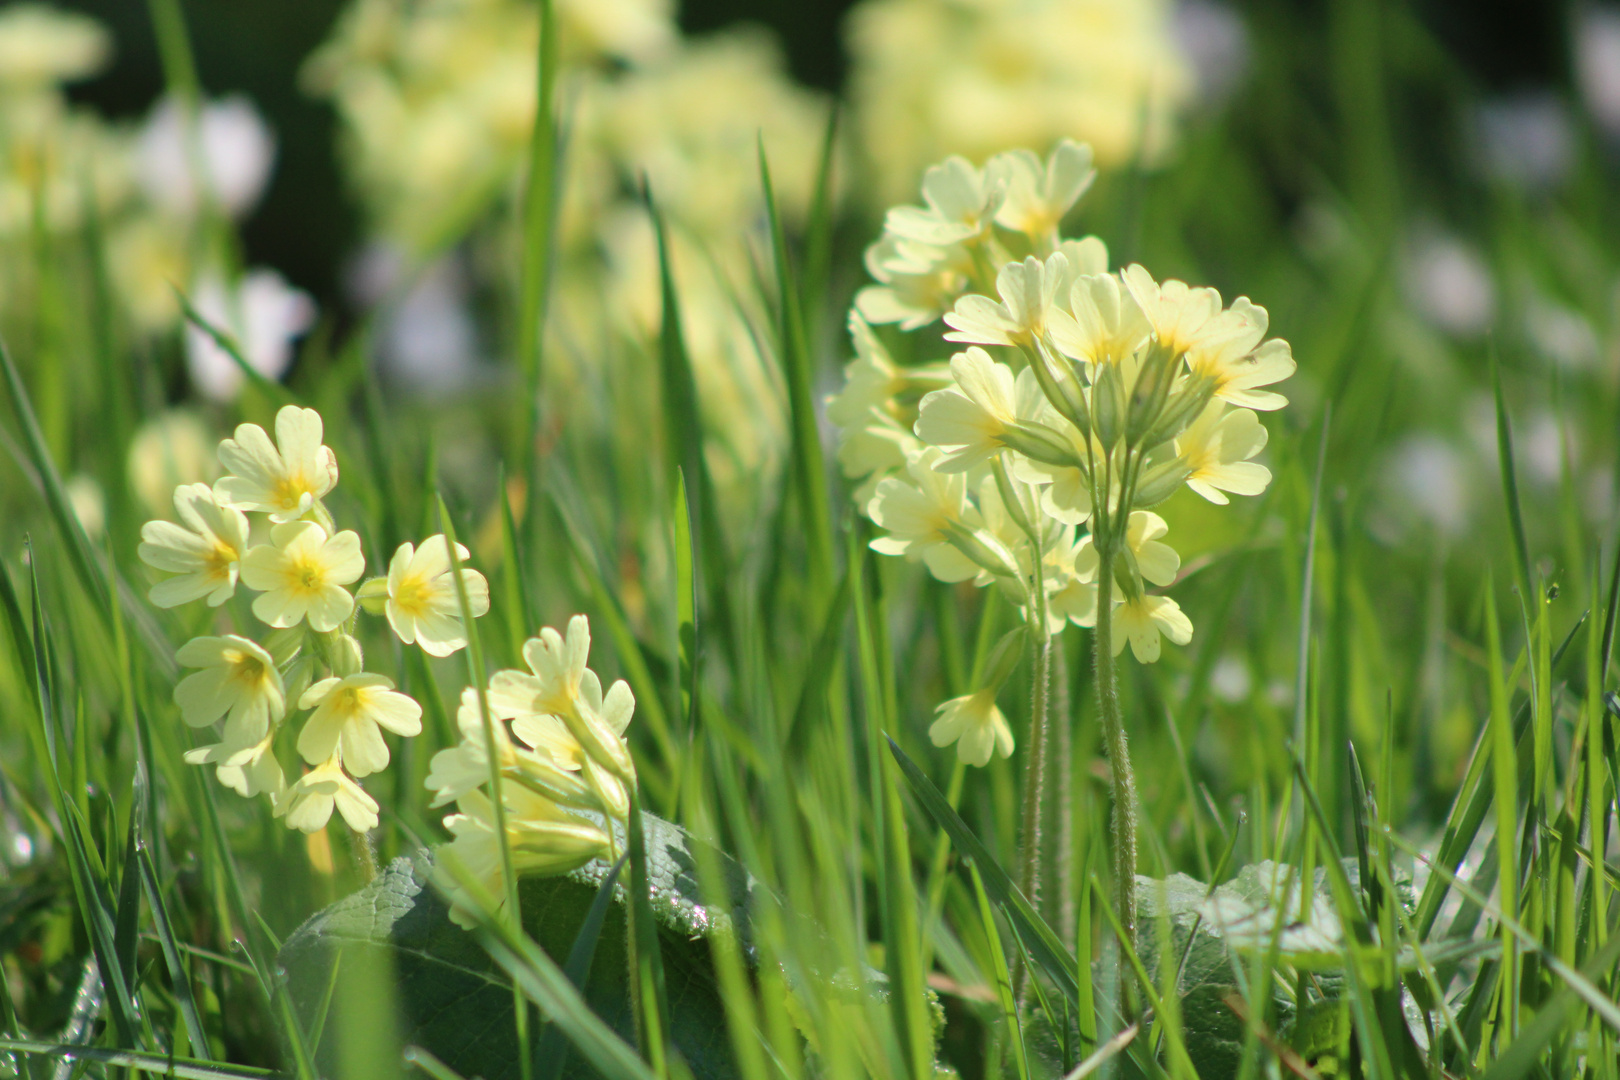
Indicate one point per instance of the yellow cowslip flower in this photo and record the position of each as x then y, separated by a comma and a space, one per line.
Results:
1039, 195
1238, 365
962, 202
1182, 317
1030, 291
308, 804
969, 419
238, 681
301, 573
423, 607
1106, 324
283, 479
975, 725
549, 763
1141, 621
248, 771
916, 284
205, 551
349, 713
559, 685
923, 511
1156, 562
1215, 451
542, 837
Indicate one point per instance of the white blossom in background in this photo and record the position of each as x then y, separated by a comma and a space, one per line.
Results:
1597, 63
1215, 42
234, 147
1229, 679
1525, 139
1560, 334
1428, 479
264, 314
428, 339
1449, 282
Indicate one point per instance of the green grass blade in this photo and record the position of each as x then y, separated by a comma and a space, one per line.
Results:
1001, 972
185, 1069
276, 392
1044, 945
902, 939
646, 957
1510, 480
809, 468
550, 1051
179, 977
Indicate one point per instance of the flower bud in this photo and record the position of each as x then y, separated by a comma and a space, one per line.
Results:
343, 653
1160, 483
1039, 443
1063, 391
373, 596
284, 644
1108, 405
1186, 402
985, 550
1153, 382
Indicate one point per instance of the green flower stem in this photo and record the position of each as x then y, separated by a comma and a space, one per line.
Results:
1035, 759
1113, 726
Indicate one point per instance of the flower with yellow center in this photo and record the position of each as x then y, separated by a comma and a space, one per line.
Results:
921, 512
349, 713
1216, 449
283, 479
537, 766
248, 771
975, 725
1183, 317
969, 419
1240, 363
558, 685
1143, 620
238, 680
423, 607
1039, 195
1030, 292
308, 804
1107, 324
301, 573
205, 551
542, 837
961, 205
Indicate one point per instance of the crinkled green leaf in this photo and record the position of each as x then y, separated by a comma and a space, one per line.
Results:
458, 1005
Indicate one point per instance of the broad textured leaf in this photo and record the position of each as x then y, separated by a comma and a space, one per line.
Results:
457, 1004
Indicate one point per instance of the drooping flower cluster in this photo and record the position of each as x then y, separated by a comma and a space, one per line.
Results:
248, 680
1084, 398
566, 772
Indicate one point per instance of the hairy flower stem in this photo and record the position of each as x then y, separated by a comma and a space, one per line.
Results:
1035, 769
1113, 726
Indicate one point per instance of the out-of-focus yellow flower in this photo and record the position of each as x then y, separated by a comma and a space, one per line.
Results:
308, 804
543, 839
975, 725
975, 77
41, 46
168, 450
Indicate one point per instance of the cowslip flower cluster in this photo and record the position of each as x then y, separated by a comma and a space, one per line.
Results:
558, 743
935, 77
298, 651
1083, 399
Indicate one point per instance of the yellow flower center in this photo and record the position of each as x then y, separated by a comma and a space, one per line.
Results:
291, 488
246, 669
415, 595
218, 562
306, 576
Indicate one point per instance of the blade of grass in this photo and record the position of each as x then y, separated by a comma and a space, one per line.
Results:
902, 939
1002, 974
476, 674
1510, 480
1505, 771
809, 469
185, 1069
551, 1050
1036, 935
